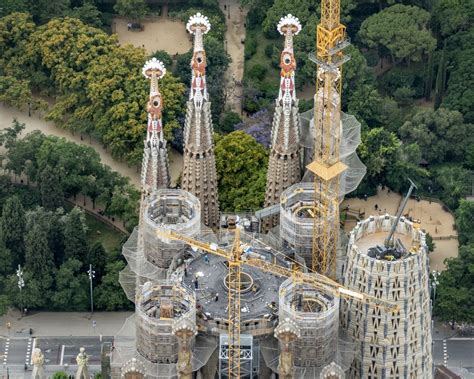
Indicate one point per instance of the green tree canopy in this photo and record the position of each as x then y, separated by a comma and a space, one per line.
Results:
465, 221
454, 181
75, 235
39, 260
13, 228
241, 165
133, 9
71, 287
452, 16
454, 300
52, 195
400, 30
438, 134
109, 294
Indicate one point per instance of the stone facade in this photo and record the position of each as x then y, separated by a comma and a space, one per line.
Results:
284, 164
199, 171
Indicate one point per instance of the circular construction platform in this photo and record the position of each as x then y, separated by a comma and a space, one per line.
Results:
259, 295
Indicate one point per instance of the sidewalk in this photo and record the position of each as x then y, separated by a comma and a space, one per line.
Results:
54, 324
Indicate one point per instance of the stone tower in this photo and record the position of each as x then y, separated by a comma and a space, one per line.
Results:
284, 165
155, 165
389, 344
199, 172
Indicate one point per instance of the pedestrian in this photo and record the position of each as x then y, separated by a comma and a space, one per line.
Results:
217, 297
365, 197
29, 109
206, 259
196, 283
376, 206
185, 272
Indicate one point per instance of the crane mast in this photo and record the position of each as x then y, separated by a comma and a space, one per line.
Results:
327, 166
235, 259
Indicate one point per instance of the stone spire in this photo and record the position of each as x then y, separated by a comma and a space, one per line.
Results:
284, 164
199, 172
155, 165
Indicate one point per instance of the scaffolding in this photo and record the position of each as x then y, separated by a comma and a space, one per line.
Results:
169, 209
316, 316
298, 214
158, 307
350, 139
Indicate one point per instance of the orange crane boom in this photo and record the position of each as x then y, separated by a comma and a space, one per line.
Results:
235, 259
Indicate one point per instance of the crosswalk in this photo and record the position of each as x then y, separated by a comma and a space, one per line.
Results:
445, 353
5, 351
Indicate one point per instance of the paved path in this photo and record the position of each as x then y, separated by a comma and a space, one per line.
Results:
62, 324
235, 19
35, 122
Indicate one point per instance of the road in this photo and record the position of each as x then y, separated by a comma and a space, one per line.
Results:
455, 353
35, 122
59, 352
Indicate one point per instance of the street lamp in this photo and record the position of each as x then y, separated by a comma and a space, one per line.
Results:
91, 274
434, 282
21, 281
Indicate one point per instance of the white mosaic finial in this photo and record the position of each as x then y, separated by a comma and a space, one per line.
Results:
154, 65
198, 20
289, 21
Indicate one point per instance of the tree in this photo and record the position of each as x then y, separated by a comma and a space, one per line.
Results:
437, 133
460, 92
4, 304
15, 32
13, 228
131, 8
401, 31
71, 287
75, 235
465, 222
109, 295
9, 136
452, 16
366, 104
60, 375
454, 300
229, 120
125, 204
52, 195
379, 150
454, 182
6, 261
46, 10
440, 78
97, 257
87, 13
11, 6
241, 165
39, 260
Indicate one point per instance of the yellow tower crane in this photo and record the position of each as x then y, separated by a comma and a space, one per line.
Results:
327, 166
235, 259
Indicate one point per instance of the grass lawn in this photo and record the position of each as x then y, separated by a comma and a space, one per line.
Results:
101, 232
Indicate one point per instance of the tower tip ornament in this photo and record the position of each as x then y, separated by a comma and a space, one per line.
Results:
289, 21
198, 20
154, 65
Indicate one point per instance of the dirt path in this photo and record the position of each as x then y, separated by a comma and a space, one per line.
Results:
34, 122
235, 34
434, 220
160, 34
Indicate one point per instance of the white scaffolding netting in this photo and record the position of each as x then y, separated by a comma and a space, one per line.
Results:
125, 350
350, 140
